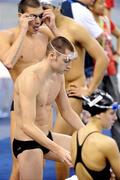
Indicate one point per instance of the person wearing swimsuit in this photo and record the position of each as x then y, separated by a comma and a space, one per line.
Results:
94, 155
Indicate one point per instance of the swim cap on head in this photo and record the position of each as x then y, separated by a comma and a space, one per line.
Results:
56, 3
98, 102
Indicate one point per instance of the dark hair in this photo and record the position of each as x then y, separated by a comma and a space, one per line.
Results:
60, 44
24, 4
104, 102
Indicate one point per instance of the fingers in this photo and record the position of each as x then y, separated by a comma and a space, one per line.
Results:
73, 85
27, 17
73, 92
48, 17
67, 159
72, 89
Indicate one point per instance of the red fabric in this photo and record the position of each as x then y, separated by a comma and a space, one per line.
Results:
110, 3
112, 25
112, 64
111, 69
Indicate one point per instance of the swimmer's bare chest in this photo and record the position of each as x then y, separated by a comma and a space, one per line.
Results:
46, 97
31, 53
33, 50
48, 92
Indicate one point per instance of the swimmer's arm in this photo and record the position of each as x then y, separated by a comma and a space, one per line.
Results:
66, 110
10, 51
74, 147
96, 52
28, 106
113, 155
44, 29
49, 20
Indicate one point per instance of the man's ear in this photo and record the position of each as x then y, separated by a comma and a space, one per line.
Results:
19, 14
52, 56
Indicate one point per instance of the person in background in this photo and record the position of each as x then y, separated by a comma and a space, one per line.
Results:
34, 139
75, 77
110, 81
78, 10
109, 4
24, 45
94, 155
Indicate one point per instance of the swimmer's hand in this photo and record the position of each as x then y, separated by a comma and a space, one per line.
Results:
24, 20
49, 19
64, 156
74, 90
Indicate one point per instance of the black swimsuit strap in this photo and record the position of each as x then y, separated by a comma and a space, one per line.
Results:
104, 174
86, 137
80, 146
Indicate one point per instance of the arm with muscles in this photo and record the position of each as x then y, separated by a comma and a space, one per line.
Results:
9, 54
28, 106
113, 155
49, 19
97, 53
66, 110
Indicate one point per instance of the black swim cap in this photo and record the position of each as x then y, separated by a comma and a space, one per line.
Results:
98, 102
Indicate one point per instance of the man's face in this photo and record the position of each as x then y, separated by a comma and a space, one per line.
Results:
63, 63
36, 13
99, 7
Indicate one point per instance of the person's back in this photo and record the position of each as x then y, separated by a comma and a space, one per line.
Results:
89, 156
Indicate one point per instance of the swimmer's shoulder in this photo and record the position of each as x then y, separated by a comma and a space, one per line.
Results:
8, 34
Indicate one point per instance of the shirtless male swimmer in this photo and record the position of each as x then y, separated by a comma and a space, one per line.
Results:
36, 89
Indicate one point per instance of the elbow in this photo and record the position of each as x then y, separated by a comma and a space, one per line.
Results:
25, 127
6, 64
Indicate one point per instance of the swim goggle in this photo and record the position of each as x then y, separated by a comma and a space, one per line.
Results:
68, 57
114, 106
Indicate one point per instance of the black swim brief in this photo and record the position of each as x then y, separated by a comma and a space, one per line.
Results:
12, 106
75, 97
20, 146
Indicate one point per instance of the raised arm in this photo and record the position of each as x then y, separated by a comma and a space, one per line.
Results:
49, 19
10, 46
66, 110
